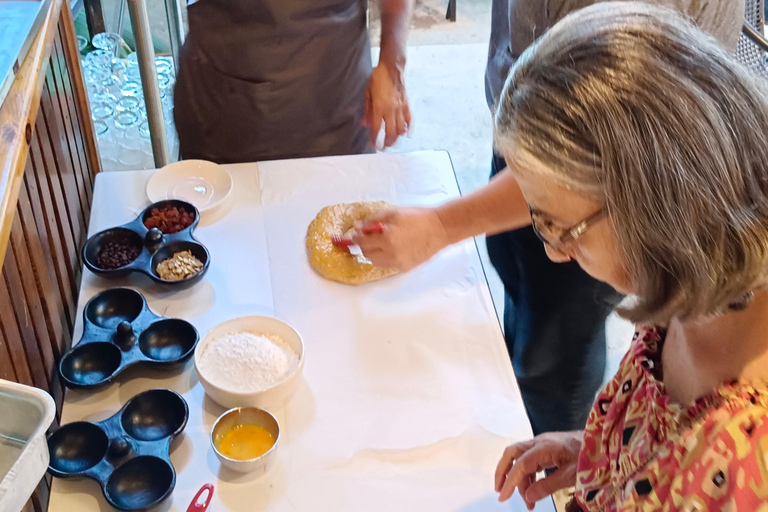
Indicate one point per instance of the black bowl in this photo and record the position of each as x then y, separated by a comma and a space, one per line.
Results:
154, 245
198, 250
168, 341
90, 364
147, 213
140, 483
154, 415
76, 447
127, 453
93, 247
116, 305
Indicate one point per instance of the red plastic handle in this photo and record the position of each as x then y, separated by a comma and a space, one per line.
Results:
374, 227
198, 505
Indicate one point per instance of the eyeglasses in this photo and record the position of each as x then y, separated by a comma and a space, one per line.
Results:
555, 236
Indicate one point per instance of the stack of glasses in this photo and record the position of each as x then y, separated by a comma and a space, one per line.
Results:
117, 104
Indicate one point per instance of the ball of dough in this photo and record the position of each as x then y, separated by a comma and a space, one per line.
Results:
337, 263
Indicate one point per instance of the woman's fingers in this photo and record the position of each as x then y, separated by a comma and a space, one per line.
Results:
390, 128
521, 462
407, 115
379, 259
372, 242
538, 458
376, 120
402, 125
563, 478
523, 489
508, 459
410, 236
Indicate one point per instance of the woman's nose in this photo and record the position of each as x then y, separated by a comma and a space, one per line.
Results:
557, 256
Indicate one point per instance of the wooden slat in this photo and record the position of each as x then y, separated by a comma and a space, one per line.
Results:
42, 494
66, 134
20, 308
74, 128
60, 93
47, 225
7, 371
30, 507
57, 338
53, 310
72, 54
64, 171
12, 336
41, 346
63, 223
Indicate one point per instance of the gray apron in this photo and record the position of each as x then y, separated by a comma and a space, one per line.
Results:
267, 79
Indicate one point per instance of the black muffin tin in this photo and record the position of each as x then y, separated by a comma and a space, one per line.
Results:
127, 453
119, 330
155, 246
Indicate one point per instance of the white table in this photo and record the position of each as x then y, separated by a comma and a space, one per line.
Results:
408, 395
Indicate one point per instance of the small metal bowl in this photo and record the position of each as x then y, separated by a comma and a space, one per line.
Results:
246, 416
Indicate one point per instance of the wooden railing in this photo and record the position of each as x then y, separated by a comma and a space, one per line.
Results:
48, 159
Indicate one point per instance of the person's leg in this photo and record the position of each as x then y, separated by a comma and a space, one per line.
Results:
554, 321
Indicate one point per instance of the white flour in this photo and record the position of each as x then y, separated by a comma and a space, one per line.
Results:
248, 362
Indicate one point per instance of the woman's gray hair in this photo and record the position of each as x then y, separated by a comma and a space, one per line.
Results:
633, 106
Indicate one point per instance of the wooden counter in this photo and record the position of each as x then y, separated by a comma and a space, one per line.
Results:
48, 159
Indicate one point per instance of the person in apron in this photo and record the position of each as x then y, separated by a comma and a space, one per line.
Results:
269, 79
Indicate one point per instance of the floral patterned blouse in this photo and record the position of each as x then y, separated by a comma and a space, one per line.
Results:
642, 452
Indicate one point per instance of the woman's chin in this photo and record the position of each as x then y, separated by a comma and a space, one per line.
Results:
620, 285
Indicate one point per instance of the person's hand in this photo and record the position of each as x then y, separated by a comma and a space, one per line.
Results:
385, 102
410, 237
521, 462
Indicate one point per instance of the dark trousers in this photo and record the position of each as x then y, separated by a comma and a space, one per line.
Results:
554, 325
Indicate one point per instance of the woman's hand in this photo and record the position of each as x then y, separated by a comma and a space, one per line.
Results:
521, 462
387, 104
410, 237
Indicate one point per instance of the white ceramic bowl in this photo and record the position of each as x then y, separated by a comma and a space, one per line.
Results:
246, 416
271, 397
204, 184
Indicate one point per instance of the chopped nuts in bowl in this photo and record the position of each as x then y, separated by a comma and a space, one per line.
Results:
180, 266
179, 263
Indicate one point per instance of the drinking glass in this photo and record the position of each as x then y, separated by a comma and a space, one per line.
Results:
98, 58
126, 123
118, 69
108, 41
146, 145
133, 73
132, 59
164, 65
102, 112
132, 88
102, 131
128, 104
82, 44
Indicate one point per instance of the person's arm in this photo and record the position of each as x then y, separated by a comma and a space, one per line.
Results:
492, 209
386, 101
411, 236
395, 18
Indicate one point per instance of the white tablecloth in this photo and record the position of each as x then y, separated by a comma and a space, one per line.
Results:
408, 395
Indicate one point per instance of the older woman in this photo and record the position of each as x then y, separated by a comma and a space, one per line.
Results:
639, 146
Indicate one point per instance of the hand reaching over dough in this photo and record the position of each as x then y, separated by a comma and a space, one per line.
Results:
337, 263
410, 237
